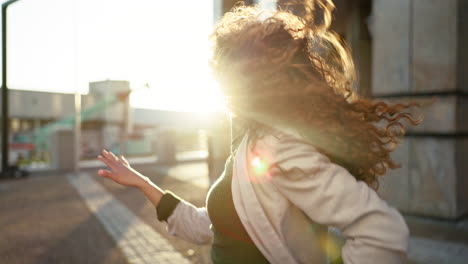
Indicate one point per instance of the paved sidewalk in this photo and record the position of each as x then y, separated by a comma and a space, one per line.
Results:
43, 220
141, 207
195, 173
46, 220
139, 242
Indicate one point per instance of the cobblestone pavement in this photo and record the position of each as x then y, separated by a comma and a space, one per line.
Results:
141, 207
138, 241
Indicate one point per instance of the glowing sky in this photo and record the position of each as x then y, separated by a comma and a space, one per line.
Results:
62, 45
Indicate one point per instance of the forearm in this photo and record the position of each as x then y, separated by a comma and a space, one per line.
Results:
151, 191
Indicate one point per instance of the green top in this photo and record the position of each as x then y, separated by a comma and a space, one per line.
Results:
231, 242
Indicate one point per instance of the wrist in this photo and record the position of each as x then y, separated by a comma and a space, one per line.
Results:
151, 191
144, 184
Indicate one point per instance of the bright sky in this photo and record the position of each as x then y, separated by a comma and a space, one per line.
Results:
62, 45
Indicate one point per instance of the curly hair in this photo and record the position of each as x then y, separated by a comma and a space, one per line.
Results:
287, 68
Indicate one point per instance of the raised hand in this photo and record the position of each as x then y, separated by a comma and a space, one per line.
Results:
120, 170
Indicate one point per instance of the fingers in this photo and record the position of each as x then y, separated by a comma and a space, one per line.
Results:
103, 159
111, 160
105, 173
106, 161
109, 155
123, 159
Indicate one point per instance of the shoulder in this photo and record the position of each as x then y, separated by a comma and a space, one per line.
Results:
287, 150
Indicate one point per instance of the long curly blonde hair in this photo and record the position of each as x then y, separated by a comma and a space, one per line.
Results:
287, 68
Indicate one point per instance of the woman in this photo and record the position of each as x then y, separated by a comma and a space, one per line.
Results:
306, 152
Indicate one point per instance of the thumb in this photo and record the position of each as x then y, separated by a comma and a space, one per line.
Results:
105, 173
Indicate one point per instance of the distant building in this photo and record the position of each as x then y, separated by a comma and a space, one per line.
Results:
102, 124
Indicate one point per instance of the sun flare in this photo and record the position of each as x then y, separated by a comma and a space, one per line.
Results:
201, 96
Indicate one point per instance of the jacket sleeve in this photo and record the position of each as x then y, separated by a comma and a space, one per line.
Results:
190, 223
184, 220
330, 195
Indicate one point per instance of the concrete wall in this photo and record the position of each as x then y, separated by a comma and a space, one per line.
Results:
104, 89
39, 105
434, 45
166, 147
418, 55
43, 105
61, 152
462, 27
391, 47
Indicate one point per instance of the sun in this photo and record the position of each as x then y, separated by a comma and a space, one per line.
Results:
176, 65
199, 96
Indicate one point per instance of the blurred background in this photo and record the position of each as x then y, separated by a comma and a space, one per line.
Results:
133, 77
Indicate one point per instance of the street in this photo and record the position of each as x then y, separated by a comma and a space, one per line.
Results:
82, 218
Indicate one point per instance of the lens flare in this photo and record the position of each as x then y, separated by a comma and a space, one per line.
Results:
259, 165
259, 170
331, 245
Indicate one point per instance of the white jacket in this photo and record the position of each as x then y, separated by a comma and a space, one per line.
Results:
287, 208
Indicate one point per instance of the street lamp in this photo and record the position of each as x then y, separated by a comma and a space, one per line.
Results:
6, 171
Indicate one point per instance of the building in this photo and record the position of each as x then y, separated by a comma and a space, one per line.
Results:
33, 127
418, 54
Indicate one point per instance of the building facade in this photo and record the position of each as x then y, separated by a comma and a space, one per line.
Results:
419, 55
42, 122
